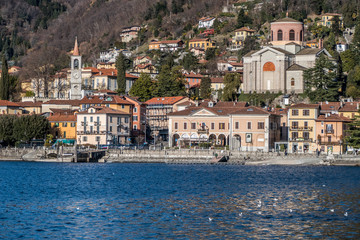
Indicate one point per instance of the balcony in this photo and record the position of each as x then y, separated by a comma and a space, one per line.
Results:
308, 129
203, 131
301, 140
97, 123
84, 124
329, 131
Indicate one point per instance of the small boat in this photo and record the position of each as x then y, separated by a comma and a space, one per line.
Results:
220, 159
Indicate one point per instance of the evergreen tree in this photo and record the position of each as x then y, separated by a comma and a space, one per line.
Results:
4, 82
353, 133
205, 87
320, 81
232, 83
30, 127
143, 88
353, 83
243, 19
190, 62
7, 128
170, 82
348, 59
121, 73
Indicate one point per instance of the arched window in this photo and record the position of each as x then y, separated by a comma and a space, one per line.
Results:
76, 64
293, 82
292, 35
301, 36
272, 36
269, 67
280, 35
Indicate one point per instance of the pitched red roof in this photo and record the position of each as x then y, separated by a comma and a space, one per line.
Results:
304, 105
332, 118
62, 118
350, 107
164, 100
104, 100
93, 70
8, 103
217, 80
64, 102
30, 104
330, 106
246, 29
193, 75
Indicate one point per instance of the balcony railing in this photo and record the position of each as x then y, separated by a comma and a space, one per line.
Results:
301, 140
97, 123
84, 124
329, 131
203, 131
301, 129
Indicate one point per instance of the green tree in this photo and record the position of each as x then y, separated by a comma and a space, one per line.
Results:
232, 83
348, 59
121, 73
210, 53
356, 38
320, 81
335, 26
190, 62
353, 133
4, 81
7, 128
205, 87
330, 43
250, 44
170, 82
143, 88
243, 19
353, 83
30, 127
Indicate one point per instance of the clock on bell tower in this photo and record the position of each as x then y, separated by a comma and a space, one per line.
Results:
75, 81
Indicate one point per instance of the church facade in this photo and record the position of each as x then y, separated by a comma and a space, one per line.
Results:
280, 66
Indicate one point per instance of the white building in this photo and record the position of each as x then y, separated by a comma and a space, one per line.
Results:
206, 22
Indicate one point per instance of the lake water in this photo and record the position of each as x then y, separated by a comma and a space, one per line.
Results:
159, 201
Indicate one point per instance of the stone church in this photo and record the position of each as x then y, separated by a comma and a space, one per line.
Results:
280, 66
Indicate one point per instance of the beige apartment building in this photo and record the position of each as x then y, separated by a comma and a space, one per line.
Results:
103, 126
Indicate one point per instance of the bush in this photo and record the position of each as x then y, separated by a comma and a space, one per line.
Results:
205, 145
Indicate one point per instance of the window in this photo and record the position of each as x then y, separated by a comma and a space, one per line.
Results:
272, 36
193, 125
261, 125
119, 120
111, 119
91, 129
73, 124
135, 110
185, 125
135, 127
91, 119
122, 106
236, 125
306, 112
294, 135
292, 82
279, 35
84, 119
306, 135
135, 118
301, 35
110, 128
295, 112
329, 138
212, 126
126, 120
176, 125
97, 138
306, 125
64, 124
84, 139
248, 125
294, 125
222, 126
97, 128
292, 35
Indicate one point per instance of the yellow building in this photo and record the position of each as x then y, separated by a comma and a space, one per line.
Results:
154, 45
241, 34
63, 125
350, 110
327, 19
312, 43
31, 107
302, 127
106, 65
203, 43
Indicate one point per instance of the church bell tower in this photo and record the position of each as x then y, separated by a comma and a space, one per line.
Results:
75, 81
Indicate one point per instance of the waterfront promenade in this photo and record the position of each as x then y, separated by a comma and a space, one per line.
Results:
183, 156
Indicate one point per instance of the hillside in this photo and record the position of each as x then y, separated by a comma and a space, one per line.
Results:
29, 25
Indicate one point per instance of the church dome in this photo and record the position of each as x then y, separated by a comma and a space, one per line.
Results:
287, 30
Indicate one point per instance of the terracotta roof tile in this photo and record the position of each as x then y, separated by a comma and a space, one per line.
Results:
104, 110
30, 104
332, 118
350, 107
64, 102
8, 103
304, 105
62, 118
246, 29
164, 100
